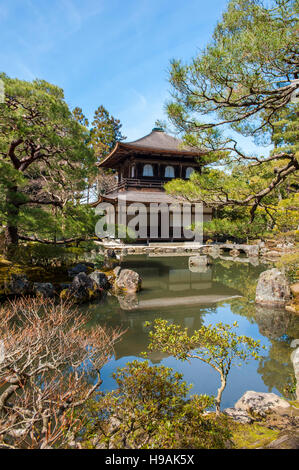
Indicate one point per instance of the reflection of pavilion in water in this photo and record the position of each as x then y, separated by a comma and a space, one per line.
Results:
171, 291
175, 285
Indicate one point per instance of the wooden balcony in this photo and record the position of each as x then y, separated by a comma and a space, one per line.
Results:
126, 183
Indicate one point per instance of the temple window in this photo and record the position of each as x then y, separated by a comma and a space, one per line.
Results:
169, 172
189, 171
133, 171
148, 170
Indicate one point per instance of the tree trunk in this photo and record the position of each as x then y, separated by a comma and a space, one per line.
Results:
219, 394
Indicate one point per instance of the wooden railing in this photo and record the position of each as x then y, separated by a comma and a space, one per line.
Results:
125, 183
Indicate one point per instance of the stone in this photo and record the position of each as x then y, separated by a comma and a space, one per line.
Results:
116, 271
234, 252
82, 289
295, 289
110, 259
272, 288
110, 254
101, 279
214, 251
252, 251
45, 289
270, 243
292, 307
238, 415
19, 285
79, 268
272, 254
128, 281
259, 403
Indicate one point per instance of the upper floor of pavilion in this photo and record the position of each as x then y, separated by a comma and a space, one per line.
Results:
151, 161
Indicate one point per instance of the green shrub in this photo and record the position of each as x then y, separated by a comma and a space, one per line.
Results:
150, 409
290, 265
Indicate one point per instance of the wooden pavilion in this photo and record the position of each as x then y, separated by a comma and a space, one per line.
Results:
142, 168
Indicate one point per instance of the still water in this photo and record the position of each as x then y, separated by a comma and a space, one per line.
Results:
223, 291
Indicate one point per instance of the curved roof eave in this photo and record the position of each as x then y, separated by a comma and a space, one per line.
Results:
129, 146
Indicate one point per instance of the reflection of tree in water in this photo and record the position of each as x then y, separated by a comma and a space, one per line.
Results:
135, 340
240, 276
280, 327
243, 277
276, 369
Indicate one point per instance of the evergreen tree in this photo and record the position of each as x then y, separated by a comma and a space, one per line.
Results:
105, 132
45, 159
245, 81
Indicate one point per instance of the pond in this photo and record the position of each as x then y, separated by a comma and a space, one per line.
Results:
223, 291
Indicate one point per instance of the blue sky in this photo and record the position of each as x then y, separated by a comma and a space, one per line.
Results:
110, 52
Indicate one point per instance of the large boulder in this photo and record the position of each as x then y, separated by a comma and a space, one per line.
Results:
259, 403
101, 279
45, 289
128, 281
272, 288
82, 289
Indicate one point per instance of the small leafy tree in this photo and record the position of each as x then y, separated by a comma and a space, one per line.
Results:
219, 346
150, 409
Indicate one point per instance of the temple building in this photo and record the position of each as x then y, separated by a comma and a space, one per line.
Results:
142, 168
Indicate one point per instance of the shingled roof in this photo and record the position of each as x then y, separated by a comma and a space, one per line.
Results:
156, 142
159, 139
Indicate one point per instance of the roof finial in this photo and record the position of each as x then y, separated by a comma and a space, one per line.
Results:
157, 129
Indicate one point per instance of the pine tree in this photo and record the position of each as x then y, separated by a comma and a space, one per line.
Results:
244, 81
45, 159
